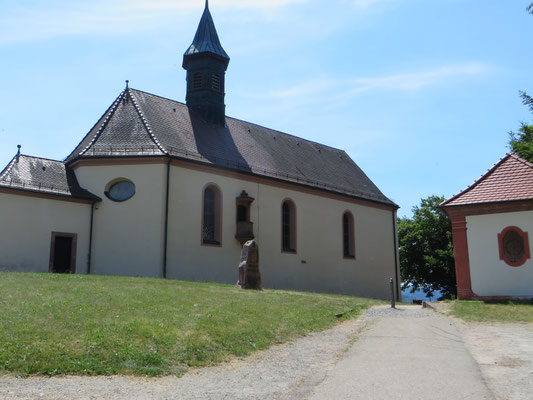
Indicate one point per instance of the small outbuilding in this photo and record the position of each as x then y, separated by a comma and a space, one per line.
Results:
491, 221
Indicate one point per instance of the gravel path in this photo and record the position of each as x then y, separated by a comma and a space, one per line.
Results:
284, 372
408, 353
504, 353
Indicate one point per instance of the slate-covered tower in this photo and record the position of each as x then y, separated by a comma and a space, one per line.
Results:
206, 62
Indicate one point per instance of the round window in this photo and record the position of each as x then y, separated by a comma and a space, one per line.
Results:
121, 191
514, 246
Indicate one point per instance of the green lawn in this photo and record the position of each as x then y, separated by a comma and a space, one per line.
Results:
73, 324
502, 311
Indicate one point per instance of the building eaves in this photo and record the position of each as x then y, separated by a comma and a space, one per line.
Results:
45, 176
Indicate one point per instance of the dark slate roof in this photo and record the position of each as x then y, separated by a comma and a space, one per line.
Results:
206, 39
43, 176
510, 179
142, 124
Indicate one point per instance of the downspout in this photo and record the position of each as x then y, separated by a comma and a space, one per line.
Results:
165, 240
90, 240
396, 268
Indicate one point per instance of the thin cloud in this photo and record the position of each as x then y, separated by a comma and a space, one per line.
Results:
417, 80
366, 4
22, 24
321, 89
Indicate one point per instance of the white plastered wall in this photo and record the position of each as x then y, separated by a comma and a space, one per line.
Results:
318, 265
26, 226
491, 276
127, 236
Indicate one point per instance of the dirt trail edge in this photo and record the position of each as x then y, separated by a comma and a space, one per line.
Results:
284, 371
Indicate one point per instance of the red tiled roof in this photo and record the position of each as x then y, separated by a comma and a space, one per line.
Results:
510, 179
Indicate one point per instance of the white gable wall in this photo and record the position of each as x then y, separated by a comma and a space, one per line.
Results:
491, 276
127, 236
27, 223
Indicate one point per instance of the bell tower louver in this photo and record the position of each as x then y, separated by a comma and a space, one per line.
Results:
206, 62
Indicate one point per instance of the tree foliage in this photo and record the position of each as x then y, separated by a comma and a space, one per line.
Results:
426, 249
521, 142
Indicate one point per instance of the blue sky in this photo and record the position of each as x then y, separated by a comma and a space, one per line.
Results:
420, 93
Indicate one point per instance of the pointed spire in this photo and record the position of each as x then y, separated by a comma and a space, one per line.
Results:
206, 63
206, 39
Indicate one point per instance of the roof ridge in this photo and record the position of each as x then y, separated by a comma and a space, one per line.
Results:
64, 191
110, 112
90, 130
477, 181
293, 178
247, 122
42, 158
522, 160
145, 123
8, 168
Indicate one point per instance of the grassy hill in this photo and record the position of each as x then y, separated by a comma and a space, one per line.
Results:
92, 325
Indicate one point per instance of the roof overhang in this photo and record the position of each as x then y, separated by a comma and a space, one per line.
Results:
234, 173
488, 208
47, 195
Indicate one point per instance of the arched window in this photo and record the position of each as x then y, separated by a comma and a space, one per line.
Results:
211, 219
288, 227
348, 242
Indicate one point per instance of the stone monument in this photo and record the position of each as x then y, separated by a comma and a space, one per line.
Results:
249, 275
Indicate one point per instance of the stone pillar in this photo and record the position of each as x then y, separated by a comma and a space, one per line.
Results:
462, 262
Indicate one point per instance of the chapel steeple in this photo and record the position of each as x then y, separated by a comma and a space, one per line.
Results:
206, 62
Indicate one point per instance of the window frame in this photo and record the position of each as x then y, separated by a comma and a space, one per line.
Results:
197, 80
117, 181
217, 217
73, 250
216, 82
525, 239
348, 235
292, 248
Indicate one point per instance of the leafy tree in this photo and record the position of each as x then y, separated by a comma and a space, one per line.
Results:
426, 250
521, 142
